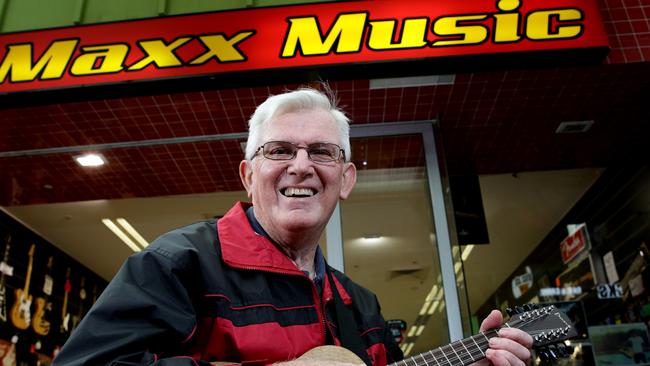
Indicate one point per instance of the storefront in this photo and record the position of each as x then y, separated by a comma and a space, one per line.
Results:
480, 132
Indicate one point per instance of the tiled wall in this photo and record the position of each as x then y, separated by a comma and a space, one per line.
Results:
628, 24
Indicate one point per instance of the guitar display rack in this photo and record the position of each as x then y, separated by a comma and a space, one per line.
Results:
43, 296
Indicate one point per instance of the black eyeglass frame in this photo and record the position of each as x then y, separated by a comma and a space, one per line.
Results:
340, 156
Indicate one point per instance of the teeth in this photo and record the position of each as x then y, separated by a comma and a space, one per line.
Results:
290, 192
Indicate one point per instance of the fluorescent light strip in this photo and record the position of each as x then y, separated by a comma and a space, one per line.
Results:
134, 234
424, 308
120, 234
433, 307
467, 251
412, 330
419, 331
408, 349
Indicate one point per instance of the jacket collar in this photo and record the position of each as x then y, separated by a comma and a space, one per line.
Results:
242, 247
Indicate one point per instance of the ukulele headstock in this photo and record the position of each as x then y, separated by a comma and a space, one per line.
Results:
547, 325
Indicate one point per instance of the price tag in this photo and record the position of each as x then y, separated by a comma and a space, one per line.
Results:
6, 269
47, 285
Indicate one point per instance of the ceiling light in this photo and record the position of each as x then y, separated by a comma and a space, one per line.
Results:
90, 160
120, 234
372, 238
419, 331
424, 308
434, 306
457, 268
127, 233
432, 293
467, 251
408, 348
406, 82
134, 234
412, 330
574, 126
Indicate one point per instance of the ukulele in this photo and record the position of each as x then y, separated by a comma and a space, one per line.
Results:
65, 315
5, 269
20, 312
43, 306
546, 325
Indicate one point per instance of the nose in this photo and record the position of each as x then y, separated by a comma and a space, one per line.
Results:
301, 165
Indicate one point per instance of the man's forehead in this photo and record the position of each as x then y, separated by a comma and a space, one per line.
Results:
316, 124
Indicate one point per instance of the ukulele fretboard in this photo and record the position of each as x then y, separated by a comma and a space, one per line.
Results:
459, 353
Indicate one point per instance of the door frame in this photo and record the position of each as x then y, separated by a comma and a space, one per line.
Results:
434, 180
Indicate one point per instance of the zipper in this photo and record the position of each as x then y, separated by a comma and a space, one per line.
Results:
320, 305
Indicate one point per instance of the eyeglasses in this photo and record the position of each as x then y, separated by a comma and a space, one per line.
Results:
319, 152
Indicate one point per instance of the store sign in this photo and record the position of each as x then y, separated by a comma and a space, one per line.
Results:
522, 283
574, 244
292, 36
570, 291
607, 291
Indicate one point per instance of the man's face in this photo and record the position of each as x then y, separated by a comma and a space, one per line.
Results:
271, 184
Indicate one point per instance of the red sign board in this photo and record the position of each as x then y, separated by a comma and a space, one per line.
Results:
292, 37
574, 244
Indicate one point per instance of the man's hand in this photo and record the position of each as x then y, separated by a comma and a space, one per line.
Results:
510, 348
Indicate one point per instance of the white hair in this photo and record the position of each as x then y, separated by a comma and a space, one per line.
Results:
293, 101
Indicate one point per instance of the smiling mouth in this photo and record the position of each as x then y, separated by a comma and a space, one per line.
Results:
297, 192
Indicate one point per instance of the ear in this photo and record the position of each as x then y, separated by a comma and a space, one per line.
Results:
246, 176
349, 180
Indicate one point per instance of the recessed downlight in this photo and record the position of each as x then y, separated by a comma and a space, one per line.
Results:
90, 160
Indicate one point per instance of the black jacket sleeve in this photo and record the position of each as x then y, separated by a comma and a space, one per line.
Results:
145, 312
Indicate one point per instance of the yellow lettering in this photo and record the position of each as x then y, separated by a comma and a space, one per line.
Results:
222, 49
51, 65
465, 34
304, 34
538, 24
506, 26
383, 31
160, 53
103, 59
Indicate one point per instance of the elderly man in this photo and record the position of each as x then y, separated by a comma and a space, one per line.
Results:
253, 287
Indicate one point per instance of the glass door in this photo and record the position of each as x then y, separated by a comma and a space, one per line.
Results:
394, 232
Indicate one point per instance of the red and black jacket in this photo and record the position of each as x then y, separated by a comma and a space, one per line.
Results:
195, 296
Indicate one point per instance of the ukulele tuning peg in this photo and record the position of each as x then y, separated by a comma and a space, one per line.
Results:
510, 311
519, 309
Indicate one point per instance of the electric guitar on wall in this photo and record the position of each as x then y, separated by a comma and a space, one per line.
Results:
5, 269
546, 325
20, 312
41, 324
65, 315
76, 319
